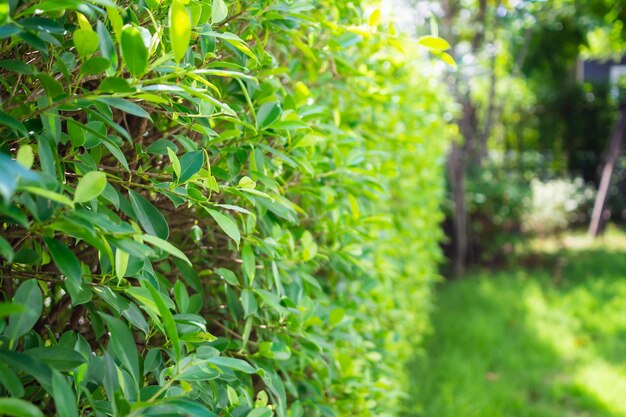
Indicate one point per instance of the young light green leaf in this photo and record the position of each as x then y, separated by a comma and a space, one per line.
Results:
25, 156
90, 186
134, 52
50, 195
227, 224
121, 263
86, 41
166, 246
433, 42
180, 29
249, 265
219, 11
175, 162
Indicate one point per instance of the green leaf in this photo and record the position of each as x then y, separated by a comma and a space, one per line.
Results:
121, 263
19, 408
175, 162
168, 321
228, 225
28, 294
250, 306
90, 186
94, 65
17, 66
50, 195
228, 276
219, 11
65, 259
126, 106
10, 380
190, 164
25, 156
86, 41
149, 217
69, 265
166, 246
8, 308
180, 29
433, 42
115, 85
62, 359
64, 398
122, 345
134, 52
6, 250
260, 412
267, 114
233, 363
249, 265
107, 47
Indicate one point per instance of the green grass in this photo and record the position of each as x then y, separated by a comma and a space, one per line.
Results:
542, 341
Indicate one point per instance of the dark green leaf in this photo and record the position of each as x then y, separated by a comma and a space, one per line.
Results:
168, 321
122, 345
19, 408
64, 398
28, 294
125, 105
190, 164
149, 217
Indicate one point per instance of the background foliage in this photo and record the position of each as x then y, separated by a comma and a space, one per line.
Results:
208, 207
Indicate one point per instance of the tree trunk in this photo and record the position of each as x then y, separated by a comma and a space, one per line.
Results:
617, 136
456, 174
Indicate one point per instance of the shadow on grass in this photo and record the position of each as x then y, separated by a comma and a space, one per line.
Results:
539, 342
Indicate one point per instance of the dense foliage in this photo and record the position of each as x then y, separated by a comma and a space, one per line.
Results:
213, 208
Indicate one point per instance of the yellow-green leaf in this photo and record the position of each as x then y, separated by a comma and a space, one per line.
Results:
121, 263
180, 29
90, 186
25, 156
134, 52
434, 42
86, 41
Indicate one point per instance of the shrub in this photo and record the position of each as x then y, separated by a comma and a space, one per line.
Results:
497, 196
212, 208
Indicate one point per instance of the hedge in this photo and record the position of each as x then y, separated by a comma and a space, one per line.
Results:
214, 208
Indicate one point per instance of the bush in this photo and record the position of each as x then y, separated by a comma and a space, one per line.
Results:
497, 196
213, 208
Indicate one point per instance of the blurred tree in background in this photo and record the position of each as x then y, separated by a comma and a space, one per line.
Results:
523, 112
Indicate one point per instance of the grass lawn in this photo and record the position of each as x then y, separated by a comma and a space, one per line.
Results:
542, 341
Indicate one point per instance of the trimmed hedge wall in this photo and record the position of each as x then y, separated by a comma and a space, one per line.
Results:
213, 208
